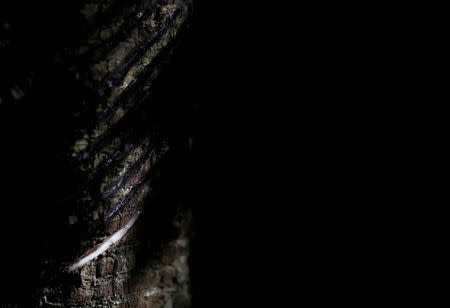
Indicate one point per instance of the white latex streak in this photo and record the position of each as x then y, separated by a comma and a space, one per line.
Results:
113, 239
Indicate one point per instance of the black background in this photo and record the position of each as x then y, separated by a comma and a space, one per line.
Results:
294, 139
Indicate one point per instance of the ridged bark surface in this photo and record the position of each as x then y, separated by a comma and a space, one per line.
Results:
112, 157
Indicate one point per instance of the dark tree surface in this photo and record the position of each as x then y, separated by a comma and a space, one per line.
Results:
88, 124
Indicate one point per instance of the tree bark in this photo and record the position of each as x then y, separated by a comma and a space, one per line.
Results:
111, 233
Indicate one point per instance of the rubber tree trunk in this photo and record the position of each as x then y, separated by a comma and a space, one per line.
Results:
106, 228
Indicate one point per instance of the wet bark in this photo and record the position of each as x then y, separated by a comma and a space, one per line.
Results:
97, 93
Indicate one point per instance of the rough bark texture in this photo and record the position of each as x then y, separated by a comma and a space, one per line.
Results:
112, 155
